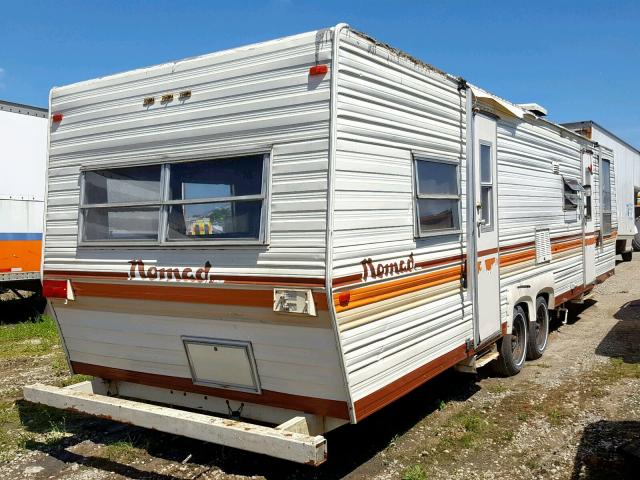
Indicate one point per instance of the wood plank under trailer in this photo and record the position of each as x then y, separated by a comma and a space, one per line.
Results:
277, 442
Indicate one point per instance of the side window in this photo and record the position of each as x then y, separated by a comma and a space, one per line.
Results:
214, 200
437, 202
485, 214
605, 178
571, 193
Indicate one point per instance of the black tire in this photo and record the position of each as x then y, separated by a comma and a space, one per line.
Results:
627, 256
513, 347
538, 331
636, 238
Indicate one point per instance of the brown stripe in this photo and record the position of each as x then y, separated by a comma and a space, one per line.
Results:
318, 406
490, 251
169, 293
233, 279
604, 276
441, 261
570, 295
378, 399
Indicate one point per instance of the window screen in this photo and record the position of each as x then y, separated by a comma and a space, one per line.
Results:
437, 197
191, 201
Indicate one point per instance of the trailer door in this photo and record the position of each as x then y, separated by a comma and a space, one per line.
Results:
588, 223
486, 200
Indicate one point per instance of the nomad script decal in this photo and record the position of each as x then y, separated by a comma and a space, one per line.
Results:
138, 270
382, 270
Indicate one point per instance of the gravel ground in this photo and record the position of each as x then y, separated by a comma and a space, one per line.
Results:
573, 414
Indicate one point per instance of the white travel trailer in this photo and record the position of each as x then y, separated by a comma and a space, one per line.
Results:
296, 233
627, 183
23, 154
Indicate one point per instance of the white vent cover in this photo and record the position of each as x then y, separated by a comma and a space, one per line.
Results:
543, 246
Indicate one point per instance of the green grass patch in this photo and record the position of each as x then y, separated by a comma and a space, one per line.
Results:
28, 339
414, 472
498, 388
125, 451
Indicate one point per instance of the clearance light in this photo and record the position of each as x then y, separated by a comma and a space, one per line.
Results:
56, 117
58, 289
344, 299
318, 70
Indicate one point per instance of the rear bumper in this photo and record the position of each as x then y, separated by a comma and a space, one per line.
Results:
281, 442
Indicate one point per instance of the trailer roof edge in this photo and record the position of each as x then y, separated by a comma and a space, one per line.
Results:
607, 131
13, 107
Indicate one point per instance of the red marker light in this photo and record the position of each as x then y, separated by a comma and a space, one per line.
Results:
344, 299
318, 70
54, 288
56, 117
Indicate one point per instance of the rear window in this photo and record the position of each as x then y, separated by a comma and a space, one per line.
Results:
207, 200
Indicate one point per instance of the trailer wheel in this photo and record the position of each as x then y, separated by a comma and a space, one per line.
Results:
513, 347
636, 238
627, 256
538, 331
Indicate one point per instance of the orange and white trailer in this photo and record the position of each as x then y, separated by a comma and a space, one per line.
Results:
368, 221
23, 154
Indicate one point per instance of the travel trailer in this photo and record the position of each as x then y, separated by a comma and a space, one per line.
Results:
627, 184
23, 154
371, 222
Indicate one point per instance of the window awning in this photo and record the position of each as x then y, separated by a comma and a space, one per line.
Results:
573, 184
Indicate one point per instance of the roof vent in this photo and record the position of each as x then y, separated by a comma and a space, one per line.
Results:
536, 109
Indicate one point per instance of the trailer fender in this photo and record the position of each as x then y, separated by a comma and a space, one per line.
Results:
525, 292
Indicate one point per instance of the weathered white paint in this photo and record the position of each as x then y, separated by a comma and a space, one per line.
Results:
288, 445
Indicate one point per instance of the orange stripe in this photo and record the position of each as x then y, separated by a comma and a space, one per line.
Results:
168, 293
518, 257
394, 288
376, 293
566, 246
23, 254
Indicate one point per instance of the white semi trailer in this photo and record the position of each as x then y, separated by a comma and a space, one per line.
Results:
627, 183
23, 154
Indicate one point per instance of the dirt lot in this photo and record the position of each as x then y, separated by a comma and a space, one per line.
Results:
573, 414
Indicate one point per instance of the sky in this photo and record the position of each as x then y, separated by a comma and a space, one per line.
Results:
580, 60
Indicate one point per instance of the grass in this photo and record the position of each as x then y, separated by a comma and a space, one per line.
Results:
28, 339
22, 425
125, 451
415, 472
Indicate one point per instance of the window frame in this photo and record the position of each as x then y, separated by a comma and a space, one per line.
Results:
417, 157
491, 185
605, 211
163, 204
565, 184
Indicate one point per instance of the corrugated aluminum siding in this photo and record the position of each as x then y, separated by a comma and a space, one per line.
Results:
244, 100
389, 109
252, 99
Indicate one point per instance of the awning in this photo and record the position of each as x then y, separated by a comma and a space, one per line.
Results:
573, 184
496, 103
